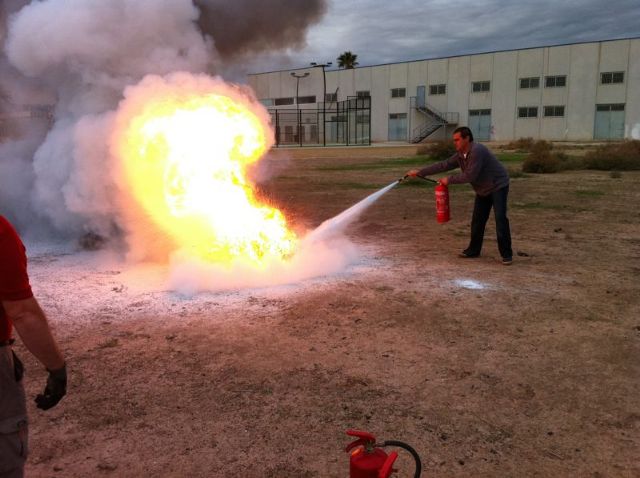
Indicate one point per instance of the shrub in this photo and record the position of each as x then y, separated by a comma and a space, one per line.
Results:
541, 147
520, 144
623, 156
437, 150
569, 163
542, 159
516, 173
545, 163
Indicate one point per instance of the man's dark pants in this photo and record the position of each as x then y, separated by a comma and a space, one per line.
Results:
481, 210
13, 419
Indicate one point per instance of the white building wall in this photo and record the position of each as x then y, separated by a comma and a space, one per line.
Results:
438, 74
632, 123
380, 106
480, 69
363, 79
614, 56
458, 87
398, 78
581, 84
580, 63
417, 76
503, 108
346, 83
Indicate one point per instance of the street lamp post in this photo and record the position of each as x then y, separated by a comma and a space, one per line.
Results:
297, 77
324, 99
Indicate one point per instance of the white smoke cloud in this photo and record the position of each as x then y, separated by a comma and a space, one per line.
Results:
85, 59
93, 60
189, 276
106, 43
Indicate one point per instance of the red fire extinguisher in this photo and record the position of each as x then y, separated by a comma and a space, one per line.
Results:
442, 200
442, 203
368, 460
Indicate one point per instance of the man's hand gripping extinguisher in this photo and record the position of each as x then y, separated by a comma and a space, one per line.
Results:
442, 200
368, 460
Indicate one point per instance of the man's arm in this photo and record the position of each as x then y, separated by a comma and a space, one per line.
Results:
446, 165
31, 324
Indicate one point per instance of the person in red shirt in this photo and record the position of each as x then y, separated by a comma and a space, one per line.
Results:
19, 309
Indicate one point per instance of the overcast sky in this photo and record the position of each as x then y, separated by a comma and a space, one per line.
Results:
387, 31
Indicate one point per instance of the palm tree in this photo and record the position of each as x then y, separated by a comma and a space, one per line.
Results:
347, 60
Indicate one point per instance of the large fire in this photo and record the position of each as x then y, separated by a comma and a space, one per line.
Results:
185, 157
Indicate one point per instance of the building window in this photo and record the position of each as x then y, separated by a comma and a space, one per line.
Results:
612, 107
554, 111
528, 112
398, 92
363, 93
533, 82
478, 86
267, 101
437, 89
306, 99
283, 101
331, 97
479, 112
360, 102
612, 77
555, 81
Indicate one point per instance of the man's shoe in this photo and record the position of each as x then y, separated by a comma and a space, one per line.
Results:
507, 261
466, 255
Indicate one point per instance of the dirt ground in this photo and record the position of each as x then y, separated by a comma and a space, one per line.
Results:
486, 370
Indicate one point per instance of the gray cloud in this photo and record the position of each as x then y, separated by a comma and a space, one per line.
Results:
379, 31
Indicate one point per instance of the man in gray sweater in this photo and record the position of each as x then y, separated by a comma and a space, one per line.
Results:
490, 180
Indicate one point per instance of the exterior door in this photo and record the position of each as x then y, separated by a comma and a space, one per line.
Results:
480, 124
609, 122
420, 97
398, 127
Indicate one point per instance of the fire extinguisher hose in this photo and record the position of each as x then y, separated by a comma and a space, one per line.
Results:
428, 179
415, 455
421, 177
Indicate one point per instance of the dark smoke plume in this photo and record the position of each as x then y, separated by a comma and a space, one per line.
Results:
253, 26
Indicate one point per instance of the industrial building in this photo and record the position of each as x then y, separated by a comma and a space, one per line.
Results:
574, 92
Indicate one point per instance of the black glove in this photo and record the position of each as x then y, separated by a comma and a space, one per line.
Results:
54, 391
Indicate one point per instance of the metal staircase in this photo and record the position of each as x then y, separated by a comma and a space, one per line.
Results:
433, 120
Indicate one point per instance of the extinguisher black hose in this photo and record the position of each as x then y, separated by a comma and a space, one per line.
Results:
427, 179
417, 176
414, 453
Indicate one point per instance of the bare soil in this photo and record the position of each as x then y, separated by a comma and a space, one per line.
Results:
486, 370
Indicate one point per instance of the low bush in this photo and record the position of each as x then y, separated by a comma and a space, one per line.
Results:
541, 147
437, 150
520, 144
624, 156
545, 163
543, 160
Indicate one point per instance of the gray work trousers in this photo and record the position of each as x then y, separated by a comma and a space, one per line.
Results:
13, 419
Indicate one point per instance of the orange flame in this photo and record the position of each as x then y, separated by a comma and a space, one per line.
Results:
185, 158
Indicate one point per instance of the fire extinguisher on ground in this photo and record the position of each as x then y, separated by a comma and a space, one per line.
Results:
442, 200
368, 459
